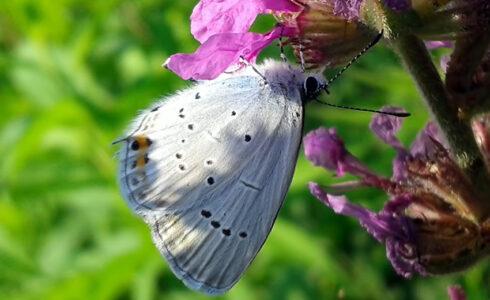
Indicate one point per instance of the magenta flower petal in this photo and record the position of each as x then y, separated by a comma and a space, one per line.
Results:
219, 52
385, 127
323, 147
211, 17
348, 9
455, 292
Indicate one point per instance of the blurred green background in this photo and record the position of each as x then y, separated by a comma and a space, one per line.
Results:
74, 73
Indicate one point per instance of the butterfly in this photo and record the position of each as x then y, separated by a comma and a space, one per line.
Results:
209, 167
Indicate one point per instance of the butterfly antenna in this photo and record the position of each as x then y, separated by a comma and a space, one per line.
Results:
390, 113
119, 141
373, 42
325, 87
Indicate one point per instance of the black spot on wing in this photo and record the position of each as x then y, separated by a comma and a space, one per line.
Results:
206, 213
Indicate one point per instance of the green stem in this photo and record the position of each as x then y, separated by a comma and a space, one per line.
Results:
456, 132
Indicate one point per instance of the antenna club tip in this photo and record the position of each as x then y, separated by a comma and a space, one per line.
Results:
378, 37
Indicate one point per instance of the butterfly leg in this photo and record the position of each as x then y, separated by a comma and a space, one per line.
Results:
281, 45
301, 57
246, 62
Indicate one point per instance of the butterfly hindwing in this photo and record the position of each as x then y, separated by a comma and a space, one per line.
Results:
210, 172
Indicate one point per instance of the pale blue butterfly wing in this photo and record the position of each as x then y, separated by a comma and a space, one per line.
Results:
208, 170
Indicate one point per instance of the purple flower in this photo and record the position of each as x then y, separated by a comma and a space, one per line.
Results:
438, 44
222, 28
386, 226
323, 33
445, 59
481, 130
430, 225
455, 292
328, 32
398, 6
433, 20
427, 141
348, 9
324, 148
386, 127
444, 62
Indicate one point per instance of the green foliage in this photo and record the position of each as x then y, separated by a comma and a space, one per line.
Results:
74, 73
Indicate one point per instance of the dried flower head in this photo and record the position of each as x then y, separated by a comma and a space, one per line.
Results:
328, 33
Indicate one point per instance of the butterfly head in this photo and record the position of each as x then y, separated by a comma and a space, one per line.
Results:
313, 85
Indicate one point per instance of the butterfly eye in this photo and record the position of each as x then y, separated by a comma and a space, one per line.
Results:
312, 87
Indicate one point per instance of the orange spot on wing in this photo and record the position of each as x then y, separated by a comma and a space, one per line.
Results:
140, 161
143, 142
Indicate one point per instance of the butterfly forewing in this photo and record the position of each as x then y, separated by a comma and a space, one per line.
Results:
210, 172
